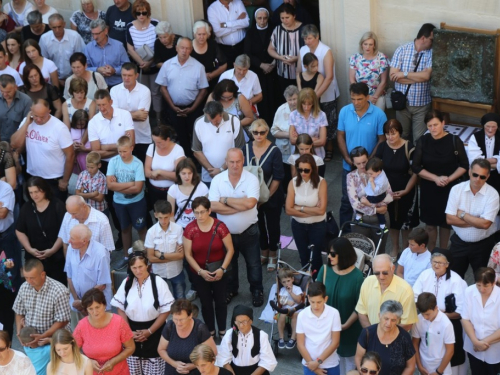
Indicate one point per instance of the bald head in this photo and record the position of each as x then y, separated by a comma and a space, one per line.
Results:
234, 161
77, 208
382, 259
75, 200
79, 237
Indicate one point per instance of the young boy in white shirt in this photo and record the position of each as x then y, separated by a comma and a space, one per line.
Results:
318, 333
290, 296
433, 337
164, 248
416, 258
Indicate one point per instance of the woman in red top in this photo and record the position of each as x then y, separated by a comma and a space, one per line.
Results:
211, 286
104, 337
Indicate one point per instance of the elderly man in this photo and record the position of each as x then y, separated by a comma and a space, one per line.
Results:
42, 303
87, 267
49, 147
412, 65
183, 84
35, 27
214, 134
135, 98
59, 44
79, 212
234, 194
471, 210
229, 20
14, 106
382, 286
104, 54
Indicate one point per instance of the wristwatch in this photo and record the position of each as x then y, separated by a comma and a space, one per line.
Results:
223, 269
462, 215
225, 25
405, 74
225, 201
319, 360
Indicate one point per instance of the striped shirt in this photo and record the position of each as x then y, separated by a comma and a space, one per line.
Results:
137, 38
287, 43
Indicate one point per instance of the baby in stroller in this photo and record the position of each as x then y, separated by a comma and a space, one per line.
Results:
290, 297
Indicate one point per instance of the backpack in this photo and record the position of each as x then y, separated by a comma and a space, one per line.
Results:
257, 171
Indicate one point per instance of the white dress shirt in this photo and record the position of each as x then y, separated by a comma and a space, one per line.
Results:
248, 86
474, 151
414, 264
165, 241
59, 51
235, 29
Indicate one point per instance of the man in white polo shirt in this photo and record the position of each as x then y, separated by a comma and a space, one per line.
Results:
135, 98
233, 195
214, 134
49, 147
104, 130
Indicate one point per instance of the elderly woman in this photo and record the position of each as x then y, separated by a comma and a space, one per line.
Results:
65, 356
396, 154
370, 66
105, 338
343, 284
448, 287
481, 323
35, 27
210, 284
78, 89
81, 19
239, 353
285, 45
440, 160
281, 128
262, 152
180, 336
18, 10
36, 88
329, 89
143, 300
484, 144
208, 53
389, 340
95, 80
203, 357
306, 203
164, 47
309, 118
256, 45
13, 361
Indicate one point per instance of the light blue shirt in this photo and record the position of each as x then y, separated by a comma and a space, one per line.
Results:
113, 53
362, 131
91, 270
59, 51
133, 171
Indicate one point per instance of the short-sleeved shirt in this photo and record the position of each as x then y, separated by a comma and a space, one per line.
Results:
318, 333
414, 264
126, 172
8, 200
90, 184
117, 20
369, 71
362, 131
187, 216
284, 293
82, 23
47, 68
13, 114
370, 299
14, 73
60, 51
311, 126
248, 85
165, 163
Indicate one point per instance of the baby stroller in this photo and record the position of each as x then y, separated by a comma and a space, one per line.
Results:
364, 246
302, 278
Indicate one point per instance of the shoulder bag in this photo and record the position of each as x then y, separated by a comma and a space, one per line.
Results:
398, 99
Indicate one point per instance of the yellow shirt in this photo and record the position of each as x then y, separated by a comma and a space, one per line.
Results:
370, 299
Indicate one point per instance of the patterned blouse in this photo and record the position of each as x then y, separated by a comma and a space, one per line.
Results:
310, 126
82, 23
356, 184
369, 71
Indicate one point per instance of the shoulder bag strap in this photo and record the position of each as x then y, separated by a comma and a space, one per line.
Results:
263, 161
416, 67
156, 304
248, 155
95, 80
210, 244
324, 275
187, 202
38, 219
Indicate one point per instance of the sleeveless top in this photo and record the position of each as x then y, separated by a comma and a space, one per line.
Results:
70, 368
234, 108
306, 195
72, 109
311, 83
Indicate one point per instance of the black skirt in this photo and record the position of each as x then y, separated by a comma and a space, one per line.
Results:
148, 348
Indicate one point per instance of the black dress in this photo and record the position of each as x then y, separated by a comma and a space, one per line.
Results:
256, 44
403, 213
437, 156
211, 60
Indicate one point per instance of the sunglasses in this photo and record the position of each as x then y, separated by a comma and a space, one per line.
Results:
364, 370
385, 273
304, 170
333, 254
141, 14
255, 132
475, 175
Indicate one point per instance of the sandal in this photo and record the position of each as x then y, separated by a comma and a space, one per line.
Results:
271, 267
264, 260
230, 296
328, 156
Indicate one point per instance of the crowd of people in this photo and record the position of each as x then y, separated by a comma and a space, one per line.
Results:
77, 102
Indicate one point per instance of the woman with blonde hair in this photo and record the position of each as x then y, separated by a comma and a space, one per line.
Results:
65, 356
203, 357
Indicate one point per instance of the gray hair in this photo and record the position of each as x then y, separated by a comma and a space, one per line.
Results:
163, 27
309, 30
199, 24
260, 123
86, 2
98, 23
55, 17
365, 37
393, 307
243, 61
7, 79
291, 91
184, 38
213, 109
34, 17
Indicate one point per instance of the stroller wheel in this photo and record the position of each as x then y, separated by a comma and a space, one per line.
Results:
275, 347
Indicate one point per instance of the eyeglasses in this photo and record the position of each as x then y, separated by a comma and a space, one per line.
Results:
141, 14
95, 34
385, 273
439, 263
304, 170
198, 213
482, 177
333, 254
255, 132
242, 322
364, 370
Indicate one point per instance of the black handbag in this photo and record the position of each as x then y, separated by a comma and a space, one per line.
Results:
450, 303
214, 266
398, 99
332, 228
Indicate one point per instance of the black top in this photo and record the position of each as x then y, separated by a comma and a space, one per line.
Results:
396, 164
256, 44
48, 93
394, 355
163, 53
308, 84
26, 33
211, 59
117, 22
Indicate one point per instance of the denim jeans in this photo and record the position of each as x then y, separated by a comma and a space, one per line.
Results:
329, 371
178, 285
310, 234
345, 212
246, 244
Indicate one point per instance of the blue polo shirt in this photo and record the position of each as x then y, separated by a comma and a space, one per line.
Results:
362, 131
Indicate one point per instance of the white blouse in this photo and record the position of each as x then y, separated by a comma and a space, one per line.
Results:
20, 364
306, 195
474, 151
141, 299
